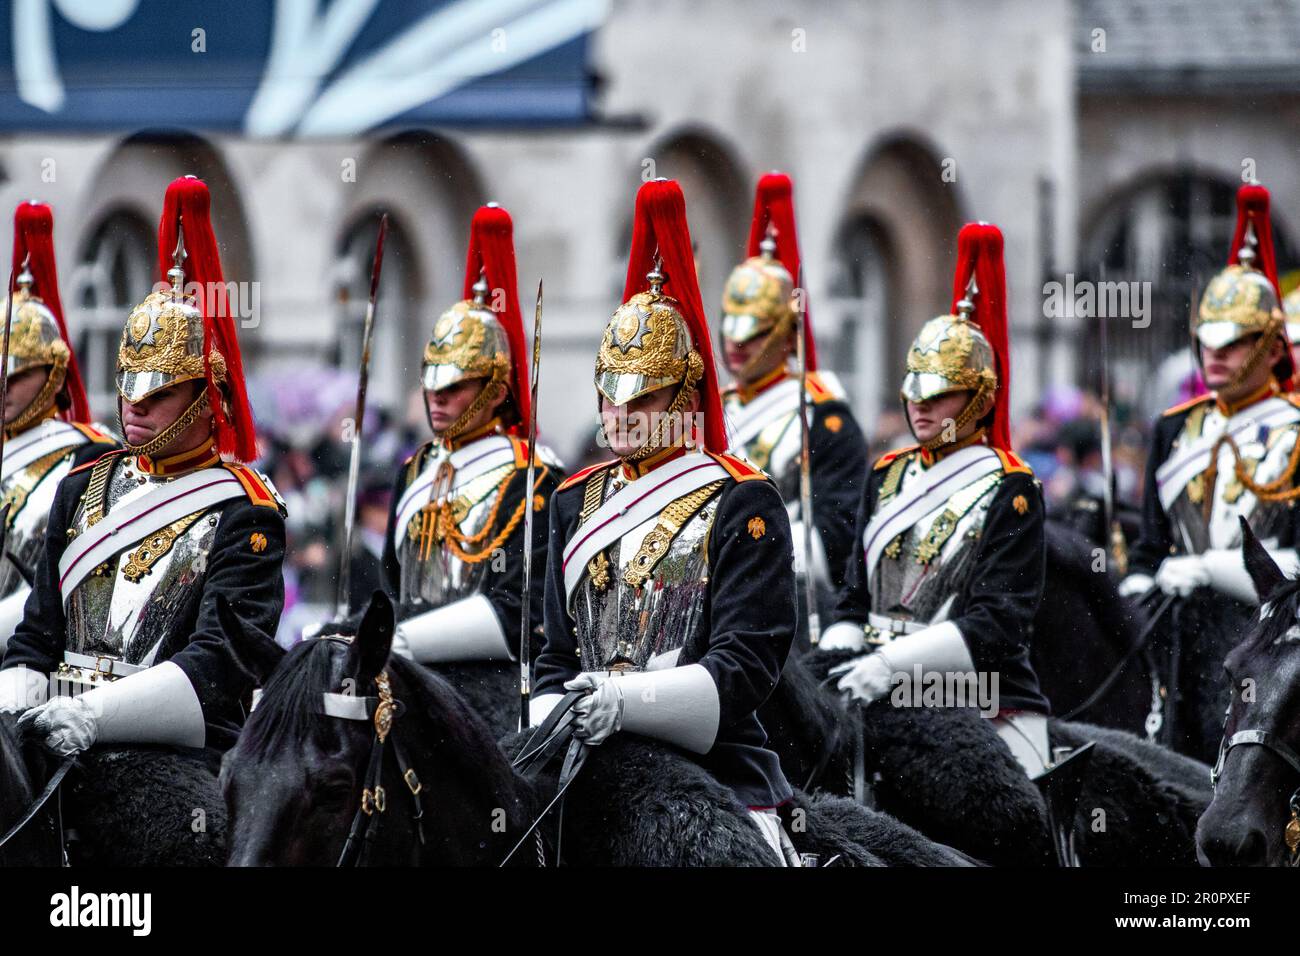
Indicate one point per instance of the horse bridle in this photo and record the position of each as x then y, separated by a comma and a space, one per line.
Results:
381, 710
1280, 749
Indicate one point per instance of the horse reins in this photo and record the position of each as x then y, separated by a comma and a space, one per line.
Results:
51, 787
381, 710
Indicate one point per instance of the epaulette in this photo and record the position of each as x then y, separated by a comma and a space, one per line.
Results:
258, 487
86, 466
823, 389
1013, 463
578, 477
1190, 403
738, 468
889, 456
94, 434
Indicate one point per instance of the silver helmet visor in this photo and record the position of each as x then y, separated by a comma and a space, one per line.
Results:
741, 327
620, 388
923, 386
1216, 335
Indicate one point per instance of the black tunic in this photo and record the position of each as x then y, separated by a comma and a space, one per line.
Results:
742, 638
996, 606
503, 581
250, 578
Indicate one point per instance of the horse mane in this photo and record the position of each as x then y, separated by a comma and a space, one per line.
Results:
290, 705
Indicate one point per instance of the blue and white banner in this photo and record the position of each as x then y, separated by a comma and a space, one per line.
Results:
289, 68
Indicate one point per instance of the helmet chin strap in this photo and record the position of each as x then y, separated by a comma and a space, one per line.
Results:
1235, 387
757, 365
169, 434
38, 409
489, 392
964, 418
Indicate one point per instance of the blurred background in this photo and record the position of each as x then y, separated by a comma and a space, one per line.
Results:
1106, 137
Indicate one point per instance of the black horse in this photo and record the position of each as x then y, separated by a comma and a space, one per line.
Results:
299, 777
1256, 804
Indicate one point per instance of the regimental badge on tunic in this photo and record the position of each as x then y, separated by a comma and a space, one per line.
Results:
258, 541
538, 502
1020, 503
757, 527
834, 423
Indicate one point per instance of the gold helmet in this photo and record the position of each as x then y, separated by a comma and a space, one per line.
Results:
1239, 301
467, 342
35, 342
950, 354
647, 345
163, 340
758, 297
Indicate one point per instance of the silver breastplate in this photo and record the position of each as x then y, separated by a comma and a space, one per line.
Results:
437, 567
630, 607
30, 494
923, 569
134, 600
1198, 527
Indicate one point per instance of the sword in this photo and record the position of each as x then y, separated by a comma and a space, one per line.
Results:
805, 473
4, 392
1110, 527
343, 604
525, 606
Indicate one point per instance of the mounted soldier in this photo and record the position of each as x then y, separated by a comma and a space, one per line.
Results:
453, 556
950, 562
46, 418
121, 632
669, 585
1229, 454
759, 329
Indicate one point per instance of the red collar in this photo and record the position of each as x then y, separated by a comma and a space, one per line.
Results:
204, 456
632, 470
929, 457
747, 393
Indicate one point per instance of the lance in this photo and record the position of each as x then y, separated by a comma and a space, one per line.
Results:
525, 605
805, 469
343, 599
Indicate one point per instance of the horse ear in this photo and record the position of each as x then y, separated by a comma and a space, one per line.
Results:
1263, 570
369, 650
256, 654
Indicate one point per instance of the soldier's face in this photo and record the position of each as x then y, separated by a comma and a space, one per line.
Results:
937, 416
1222, 365
738, 356
448, 404
628, 427
144, 419
21, 389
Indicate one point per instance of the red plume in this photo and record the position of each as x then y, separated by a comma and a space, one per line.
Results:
492, 249
659, 224
979, 252
1252, 207
188, 201
34, 241
774, 203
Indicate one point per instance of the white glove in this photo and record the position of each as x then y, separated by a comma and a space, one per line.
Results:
843, 636
64, 726
1135, 585
600, 713
11, 614
1182, 574
867, 678
21, 688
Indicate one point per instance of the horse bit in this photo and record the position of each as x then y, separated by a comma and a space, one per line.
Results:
382, 710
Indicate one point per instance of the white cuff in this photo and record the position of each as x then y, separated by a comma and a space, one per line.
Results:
22, 688
1136, 585
1228, 574
465, 630
539, 708
11, 614
679, 705
843, 636
155, 706
940, 647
